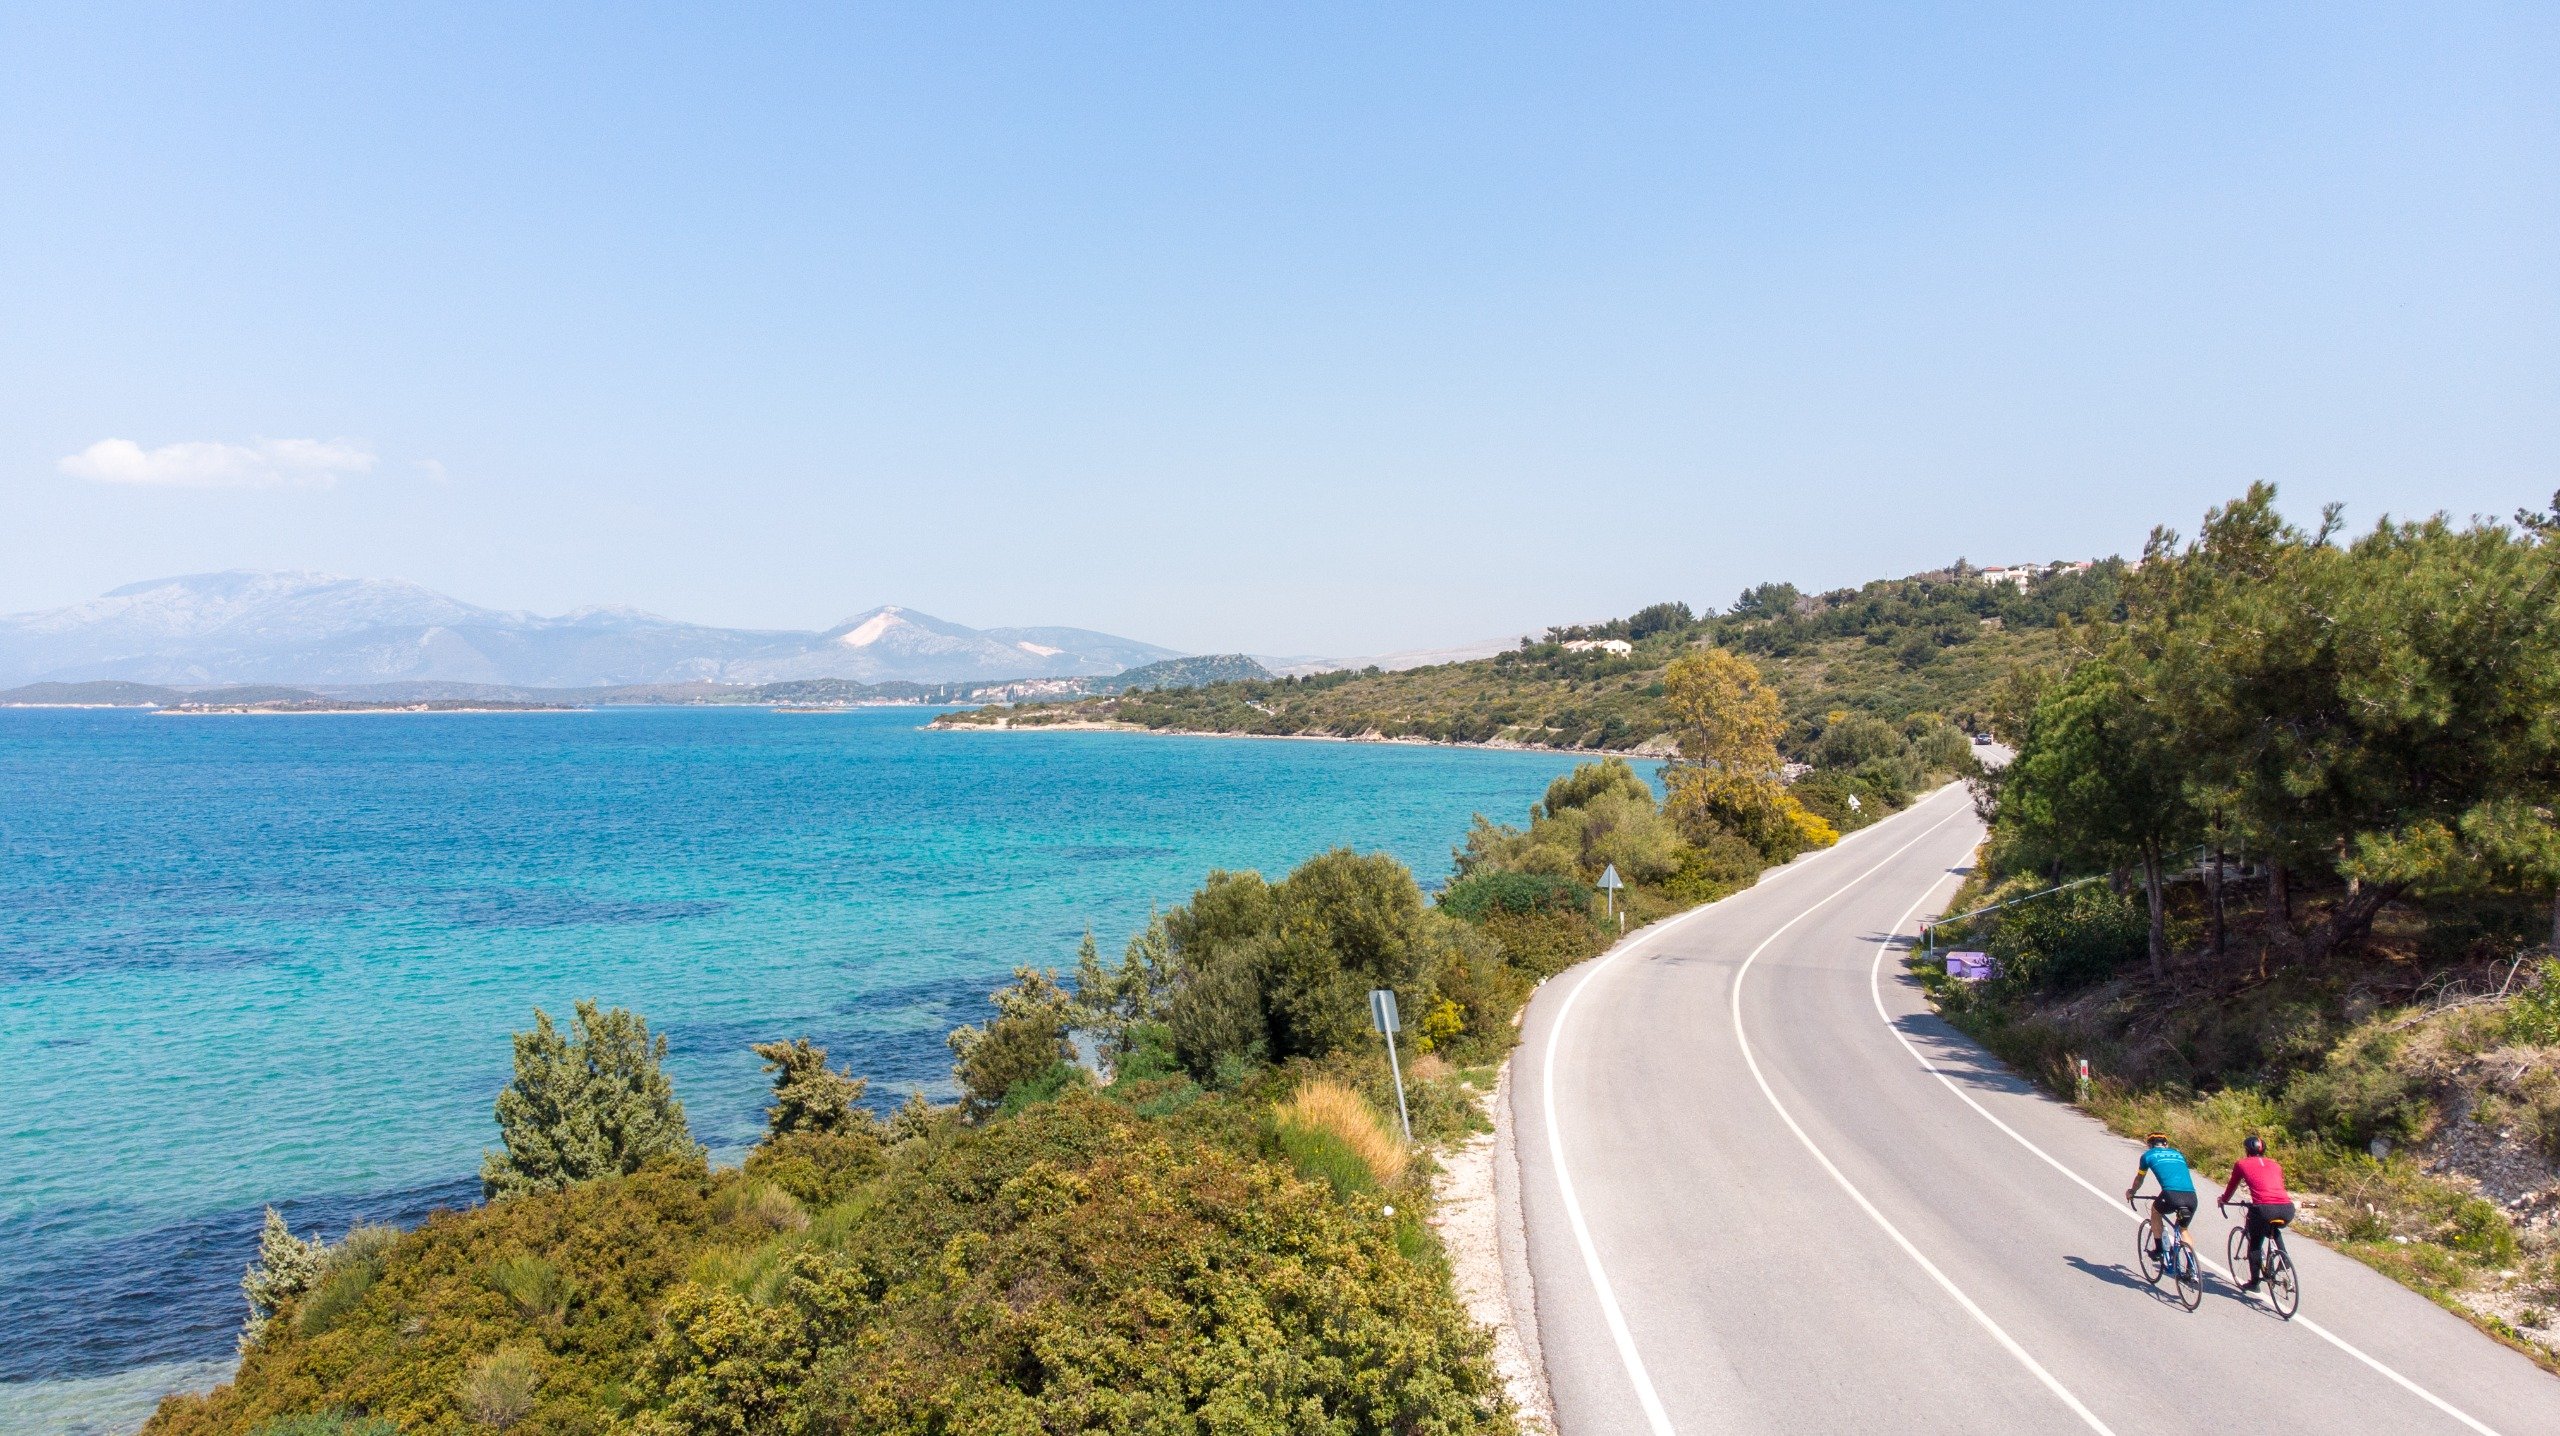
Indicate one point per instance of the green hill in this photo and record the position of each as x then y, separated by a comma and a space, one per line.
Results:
1935, 642
1197, 671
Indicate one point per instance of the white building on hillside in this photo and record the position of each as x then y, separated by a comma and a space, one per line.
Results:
1604, 645
2022, 574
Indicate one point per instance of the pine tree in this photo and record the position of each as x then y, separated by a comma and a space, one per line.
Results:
808, 1095
1027, 1039
594, 1103
286, 1268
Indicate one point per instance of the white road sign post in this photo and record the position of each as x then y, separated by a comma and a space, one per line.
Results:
1609, 885
1382, 1012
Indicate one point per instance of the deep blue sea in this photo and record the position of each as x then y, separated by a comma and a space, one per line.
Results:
251, 960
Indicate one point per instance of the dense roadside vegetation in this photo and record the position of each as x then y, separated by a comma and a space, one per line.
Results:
1215, 1228
2313, 783
1935, 643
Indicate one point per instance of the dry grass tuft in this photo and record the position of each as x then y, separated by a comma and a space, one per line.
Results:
498, 1390
760, 1206
1324, 1106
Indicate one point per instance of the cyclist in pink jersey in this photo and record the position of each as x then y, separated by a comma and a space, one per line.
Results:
2269, 1202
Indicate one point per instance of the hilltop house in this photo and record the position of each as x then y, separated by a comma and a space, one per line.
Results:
2022, 574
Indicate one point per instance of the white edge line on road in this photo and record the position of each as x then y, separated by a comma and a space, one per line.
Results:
1655, 1416
1981, 1317
1875, 988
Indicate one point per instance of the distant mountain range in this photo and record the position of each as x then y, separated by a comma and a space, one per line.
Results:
206, 630
1192, 672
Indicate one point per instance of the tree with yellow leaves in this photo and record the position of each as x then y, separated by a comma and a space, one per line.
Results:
1725, 718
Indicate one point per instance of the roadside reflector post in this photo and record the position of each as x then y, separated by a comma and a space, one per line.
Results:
1382, 1013
2083, 1082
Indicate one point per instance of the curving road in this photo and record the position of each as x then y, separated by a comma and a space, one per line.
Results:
1763, 1190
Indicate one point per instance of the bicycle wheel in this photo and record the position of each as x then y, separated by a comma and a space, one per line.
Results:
2283, 1287
2190, 1276
2237, 1257
2146, 1255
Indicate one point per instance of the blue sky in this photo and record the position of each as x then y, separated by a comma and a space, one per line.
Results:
1286, 328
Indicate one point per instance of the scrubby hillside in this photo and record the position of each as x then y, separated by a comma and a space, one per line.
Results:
1933, 643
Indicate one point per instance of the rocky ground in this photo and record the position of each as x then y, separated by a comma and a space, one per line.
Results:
2488, 1141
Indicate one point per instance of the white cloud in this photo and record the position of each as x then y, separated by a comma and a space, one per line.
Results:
210, 464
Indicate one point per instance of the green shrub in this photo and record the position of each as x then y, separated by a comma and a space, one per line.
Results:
535, 1286
820, 1169
1540, 945
2480, 1231
1043, 1088
1479, 991
336, 1295
1481, 895
2068, 940
1216, 1017
1147, 1054
2357, 1096
2533, 1016
1827, 795
1024, 1044
1717, 866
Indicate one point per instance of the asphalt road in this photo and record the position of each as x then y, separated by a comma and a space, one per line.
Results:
1763, 1190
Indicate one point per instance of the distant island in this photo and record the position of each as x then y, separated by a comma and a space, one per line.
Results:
347, 705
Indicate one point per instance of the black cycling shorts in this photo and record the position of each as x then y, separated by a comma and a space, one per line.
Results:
2264, 1216
2179, 1206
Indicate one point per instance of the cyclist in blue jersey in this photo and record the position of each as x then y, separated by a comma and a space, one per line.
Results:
2176, 1199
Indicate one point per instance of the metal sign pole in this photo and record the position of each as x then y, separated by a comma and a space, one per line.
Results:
1382, 1012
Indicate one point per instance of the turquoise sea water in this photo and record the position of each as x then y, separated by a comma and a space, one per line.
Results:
247, 960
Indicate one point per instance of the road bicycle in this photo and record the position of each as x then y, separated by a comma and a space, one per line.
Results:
2170, 1254
2275, 1266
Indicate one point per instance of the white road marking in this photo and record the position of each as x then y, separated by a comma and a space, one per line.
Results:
1655, 1416
1875, 988
1981, 1317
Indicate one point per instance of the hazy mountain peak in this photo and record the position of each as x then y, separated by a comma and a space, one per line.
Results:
232, 582
870, 629
259, 627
